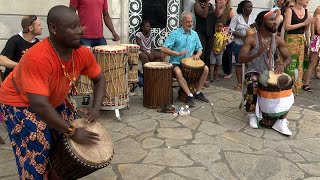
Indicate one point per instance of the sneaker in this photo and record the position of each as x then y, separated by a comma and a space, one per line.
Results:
253, 121
281, 125
201, 97
190, 101
86, 100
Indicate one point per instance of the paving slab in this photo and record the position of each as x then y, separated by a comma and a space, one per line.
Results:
213, 142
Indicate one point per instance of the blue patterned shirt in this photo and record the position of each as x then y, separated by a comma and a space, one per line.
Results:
179, 41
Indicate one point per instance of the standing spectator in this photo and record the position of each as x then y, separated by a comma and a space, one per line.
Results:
220, 41
145, 40
238, 26
205, 22
18, 44
90, 13
225, 13
314, 54
297, 24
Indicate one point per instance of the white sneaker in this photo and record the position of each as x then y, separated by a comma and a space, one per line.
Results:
281, 125
253, 121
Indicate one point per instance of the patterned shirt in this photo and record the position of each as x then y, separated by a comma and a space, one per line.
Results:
145, 41
239, 25
179, 41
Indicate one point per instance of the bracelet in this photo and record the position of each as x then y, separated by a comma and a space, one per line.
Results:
70, 131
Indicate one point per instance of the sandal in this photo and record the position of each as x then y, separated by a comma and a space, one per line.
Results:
238, 87
307, 88
86, 100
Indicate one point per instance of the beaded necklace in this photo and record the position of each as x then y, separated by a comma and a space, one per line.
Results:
72, 84
269, 63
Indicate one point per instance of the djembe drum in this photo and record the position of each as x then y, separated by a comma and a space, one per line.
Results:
85, 85
157, 89
113, 62
133, 60
191, 71
275, 99
72, 160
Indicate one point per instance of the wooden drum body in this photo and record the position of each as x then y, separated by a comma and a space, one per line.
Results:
73, 161
113, 63
276, 99
191, 71
133, 60
157, 90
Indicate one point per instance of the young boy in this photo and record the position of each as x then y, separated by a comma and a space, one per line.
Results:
220, 41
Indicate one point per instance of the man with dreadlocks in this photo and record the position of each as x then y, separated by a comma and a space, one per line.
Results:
258, 52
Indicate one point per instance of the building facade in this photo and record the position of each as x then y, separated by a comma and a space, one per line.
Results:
126, 15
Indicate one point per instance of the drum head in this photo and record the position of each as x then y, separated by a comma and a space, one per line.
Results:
279, 79
157, 65
131, 46
192, 63
110, 49
96, 154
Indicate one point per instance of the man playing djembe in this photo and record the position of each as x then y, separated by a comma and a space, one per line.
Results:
32, 97
258, 52
183, 43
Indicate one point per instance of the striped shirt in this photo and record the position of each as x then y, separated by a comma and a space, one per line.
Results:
145, 41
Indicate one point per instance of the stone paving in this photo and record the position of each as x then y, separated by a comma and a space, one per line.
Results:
213, 142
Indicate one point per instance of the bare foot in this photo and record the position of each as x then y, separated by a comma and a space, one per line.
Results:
227, 76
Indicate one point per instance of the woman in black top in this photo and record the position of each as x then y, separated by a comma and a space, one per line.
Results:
297, 23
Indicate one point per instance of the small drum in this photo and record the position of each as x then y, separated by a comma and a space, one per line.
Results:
85, 85
133, 74
73, 161
191, 71
276, 99
157, 89
133, 57
133, 60
113, 62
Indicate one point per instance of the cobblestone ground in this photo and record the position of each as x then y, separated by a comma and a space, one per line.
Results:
213, 142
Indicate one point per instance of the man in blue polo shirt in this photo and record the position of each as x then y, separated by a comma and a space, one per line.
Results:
181, 43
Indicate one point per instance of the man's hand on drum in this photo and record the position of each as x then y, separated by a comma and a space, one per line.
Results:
279, 68
83, 136
196, 57
115, 37
182, 53
92, 114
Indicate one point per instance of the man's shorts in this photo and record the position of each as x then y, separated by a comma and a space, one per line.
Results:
215, 59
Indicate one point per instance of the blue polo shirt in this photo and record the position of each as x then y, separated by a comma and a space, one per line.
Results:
179, 41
